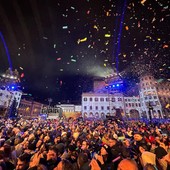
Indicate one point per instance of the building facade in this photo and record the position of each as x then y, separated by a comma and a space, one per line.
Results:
7, 97
153, 100
100, 105
29, 108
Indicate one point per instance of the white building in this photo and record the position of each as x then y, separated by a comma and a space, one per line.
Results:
7, 97
149, 97
106, 100
100, 105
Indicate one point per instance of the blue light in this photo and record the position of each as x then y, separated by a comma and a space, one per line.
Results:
12, 87
117, 85
113, 85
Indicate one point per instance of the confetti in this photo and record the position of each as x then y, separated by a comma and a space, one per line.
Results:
165, 46
82, 40
107, 35
65, 27
126, 28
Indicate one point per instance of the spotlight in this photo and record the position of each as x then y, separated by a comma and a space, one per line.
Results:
117, 85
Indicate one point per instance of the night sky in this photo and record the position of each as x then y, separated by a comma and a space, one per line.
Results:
60, 45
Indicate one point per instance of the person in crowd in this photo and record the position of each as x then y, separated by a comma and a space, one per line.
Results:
127, 164
37, 144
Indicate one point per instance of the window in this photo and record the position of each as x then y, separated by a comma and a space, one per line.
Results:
113, 99
136, 105
129, 104
108, 108
102, 107
126, 105
125, 100
102, 99
85, 107
90, 107
146, 98
155, 97
132, 104
119, 99
85, 99
107, 99
0, 94
128, 100
96, 107
157, 103
91, 99
96, 99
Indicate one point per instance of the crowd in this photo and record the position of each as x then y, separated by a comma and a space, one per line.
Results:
72, 144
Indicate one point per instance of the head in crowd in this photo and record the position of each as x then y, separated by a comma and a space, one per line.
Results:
23, 162
112, 141
84, 145
64, 165
150, 167
127, 164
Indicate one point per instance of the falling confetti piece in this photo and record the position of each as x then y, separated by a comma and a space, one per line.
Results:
95, 27
72, 7
65, 27
88, 12
142, 2
58, 59
107, 35
82, 40
127, 28
22, 75
107, 14
73, 60
165, 46
21, 68
45, 38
